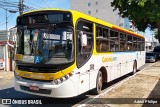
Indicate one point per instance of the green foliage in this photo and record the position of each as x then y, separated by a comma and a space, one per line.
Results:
155, 33
143, 13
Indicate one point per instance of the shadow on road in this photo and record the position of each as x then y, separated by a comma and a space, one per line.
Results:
10, 93
106, 85
154, 95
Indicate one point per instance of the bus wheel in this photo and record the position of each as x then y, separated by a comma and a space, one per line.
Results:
134, 67
99, 83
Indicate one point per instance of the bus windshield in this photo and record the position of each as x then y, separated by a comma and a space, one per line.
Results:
48, 46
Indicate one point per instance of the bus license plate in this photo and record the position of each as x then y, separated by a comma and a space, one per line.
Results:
35, 88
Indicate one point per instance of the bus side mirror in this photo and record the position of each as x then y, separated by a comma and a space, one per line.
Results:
8, 42
12, 37
83, 40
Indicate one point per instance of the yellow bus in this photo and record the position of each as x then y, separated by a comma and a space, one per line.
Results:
64, 53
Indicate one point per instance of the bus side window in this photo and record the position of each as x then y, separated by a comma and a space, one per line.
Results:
143, 44
99, 31
99, 45
114, 41
135, 47
139, 44
123, 44
102, 41
129, 43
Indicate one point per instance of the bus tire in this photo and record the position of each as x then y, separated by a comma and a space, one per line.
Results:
99, 83
134, 67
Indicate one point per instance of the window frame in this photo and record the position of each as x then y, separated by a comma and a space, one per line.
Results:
89, 12
89, 4
118, 32
90, 33
122, 41
102, 39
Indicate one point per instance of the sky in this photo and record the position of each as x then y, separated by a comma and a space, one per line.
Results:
38, 4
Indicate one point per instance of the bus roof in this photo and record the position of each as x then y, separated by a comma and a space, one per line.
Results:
78, 15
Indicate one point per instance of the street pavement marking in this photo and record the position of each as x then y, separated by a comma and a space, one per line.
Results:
113, 87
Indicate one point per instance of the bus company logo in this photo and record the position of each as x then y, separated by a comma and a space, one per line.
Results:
19, 101
109, 59
6, 101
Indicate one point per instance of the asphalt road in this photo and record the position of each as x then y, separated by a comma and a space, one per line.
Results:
7, 91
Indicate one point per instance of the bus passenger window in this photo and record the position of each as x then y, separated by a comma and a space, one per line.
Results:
99, 31
129, 43
105, 33
135, 44
143, 44
99, 45
123, 44
139, 44
114, 43
102, 41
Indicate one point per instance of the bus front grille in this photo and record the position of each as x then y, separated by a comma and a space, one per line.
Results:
37, 80
37, 69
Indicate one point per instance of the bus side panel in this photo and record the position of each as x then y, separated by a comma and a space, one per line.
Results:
84, 77
116, 64
123, 64
128, 57
83, 82
141, 59
90, 69
106, 61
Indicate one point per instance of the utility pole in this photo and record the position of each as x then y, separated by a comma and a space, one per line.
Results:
20, 7
6, 20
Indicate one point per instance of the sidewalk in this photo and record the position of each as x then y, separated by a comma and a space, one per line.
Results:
6, 75
145, 84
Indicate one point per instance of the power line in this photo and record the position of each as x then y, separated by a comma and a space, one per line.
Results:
7, 5
6, 2
3, 24
11, 17
45, 3
5, 18
2, 20
33, 4
12, 5
12, 1
28, 8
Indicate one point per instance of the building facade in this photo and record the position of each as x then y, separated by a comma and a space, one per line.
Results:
5, 52
100, 9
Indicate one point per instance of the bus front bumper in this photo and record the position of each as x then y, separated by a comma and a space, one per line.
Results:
63, 90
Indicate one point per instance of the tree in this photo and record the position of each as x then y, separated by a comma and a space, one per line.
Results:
155, 33
142, 13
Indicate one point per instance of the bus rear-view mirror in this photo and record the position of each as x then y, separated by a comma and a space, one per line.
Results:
83, 40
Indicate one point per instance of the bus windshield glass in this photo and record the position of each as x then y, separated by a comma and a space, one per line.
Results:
46, 45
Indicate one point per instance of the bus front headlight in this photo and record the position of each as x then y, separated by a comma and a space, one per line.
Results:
62, 79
